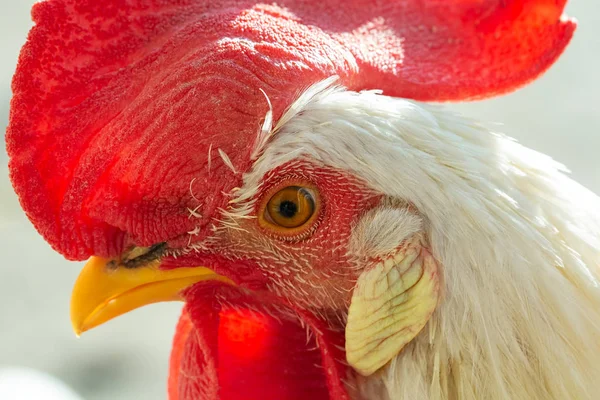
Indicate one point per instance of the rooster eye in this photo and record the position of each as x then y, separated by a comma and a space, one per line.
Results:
290, 210
291, 207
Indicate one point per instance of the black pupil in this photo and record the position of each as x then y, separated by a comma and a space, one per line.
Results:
288, 209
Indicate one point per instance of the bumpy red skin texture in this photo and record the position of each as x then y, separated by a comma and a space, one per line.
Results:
118, 104
312, 271
242, 345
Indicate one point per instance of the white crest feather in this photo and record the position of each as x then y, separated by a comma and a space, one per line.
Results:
227, 161
265, 131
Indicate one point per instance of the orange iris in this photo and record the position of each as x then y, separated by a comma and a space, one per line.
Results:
291, 210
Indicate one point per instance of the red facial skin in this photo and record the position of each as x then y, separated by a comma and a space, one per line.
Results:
120, 105
312, 270
311, 296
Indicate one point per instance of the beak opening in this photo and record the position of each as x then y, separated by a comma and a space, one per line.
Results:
104, 289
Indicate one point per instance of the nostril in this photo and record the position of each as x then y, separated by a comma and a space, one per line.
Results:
137, 256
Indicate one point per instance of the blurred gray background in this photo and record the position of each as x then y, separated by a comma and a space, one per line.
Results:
128, 358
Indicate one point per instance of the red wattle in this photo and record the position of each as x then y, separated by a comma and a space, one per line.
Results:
234, 345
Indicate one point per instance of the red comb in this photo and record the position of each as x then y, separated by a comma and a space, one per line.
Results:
117, 104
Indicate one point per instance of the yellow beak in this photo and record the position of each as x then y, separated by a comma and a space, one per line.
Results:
105, 290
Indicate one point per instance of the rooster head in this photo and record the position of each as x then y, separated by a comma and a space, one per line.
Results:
201, 151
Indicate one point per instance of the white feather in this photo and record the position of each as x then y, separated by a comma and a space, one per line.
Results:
518, 242
227, 161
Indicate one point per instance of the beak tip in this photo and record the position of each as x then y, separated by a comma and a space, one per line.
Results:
77, 330
78, 324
